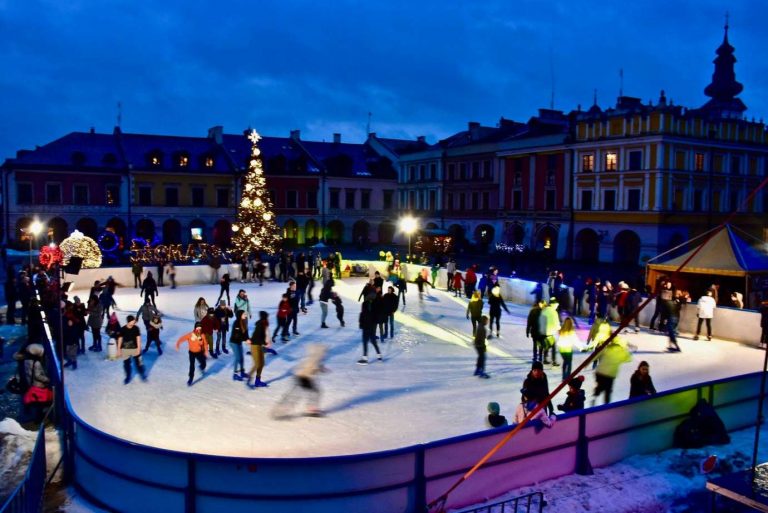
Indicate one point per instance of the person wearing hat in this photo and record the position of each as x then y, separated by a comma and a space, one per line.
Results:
527, 405
210, 324
494, 419
495, 304
575, 397
536, 385
223, 313
198, 350
129, 346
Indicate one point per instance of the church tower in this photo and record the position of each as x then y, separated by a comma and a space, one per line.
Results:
724, 87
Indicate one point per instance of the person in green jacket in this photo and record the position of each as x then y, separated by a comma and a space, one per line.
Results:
615, 354
475, 310
549, 326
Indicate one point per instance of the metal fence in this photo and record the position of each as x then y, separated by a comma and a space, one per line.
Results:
28, 496
530, 502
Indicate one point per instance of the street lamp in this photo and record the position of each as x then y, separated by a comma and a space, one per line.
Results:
33, 230
408, 225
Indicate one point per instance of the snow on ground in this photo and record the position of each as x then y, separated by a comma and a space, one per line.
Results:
16, 445
424, 389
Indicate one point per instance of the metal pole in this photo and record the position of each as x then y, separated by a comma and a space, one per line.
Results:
759, 419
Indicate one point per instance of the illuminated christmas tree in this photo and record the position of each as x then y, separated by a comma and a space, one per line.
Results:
255, 229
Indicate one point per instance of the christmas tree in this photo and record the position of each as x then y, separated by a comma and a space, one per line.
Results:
255, 229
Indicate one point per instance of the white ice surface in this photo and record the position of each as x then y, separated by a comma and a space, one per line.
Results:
423, 391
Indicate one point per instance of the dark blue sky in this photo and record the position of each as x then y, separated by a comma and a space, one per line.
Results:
421, 68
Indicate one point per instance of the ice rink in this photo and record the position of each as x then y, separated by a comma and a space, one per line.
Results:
424, 390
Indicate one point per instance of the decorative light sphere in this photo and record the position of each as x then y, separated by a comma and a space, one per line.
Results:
267, 216
235, 228
247, 230
248, 187
258, 202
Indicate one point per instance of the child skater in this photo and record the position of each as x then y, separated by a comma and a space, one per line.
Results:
153, 334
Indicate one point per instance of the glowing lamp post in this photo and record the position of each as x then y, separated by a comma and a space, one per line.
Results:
33, 230
408, 225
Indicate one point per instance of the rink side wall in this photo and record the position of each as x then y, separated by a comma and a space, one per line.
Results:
728, 324
124, 476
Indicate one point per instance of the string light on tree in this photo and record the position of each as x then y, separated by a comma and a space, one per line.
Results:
255, 229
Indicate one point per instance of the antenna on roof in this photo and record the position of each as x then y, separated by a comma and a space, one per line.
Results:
119, 114
368, 126
621, 81
552, 79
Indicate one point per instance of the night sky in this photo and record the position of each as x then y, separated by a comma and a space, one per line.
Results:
420, 68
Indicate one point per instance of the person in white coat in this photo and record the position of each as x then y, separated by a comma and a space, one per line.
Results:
705, 311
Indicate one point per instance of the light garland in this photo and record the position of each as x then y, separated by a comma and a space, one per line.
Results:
78, 245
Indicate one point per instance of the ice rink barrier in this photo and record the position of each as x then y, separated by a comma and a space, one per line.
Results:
120, 475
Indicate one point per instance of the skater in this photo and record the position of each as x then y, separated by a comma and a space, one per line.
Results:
390, 306
136, 270
324, 298
494, 419
450, 269
479, 340
149, 288
549, 326
421, 284
79, 313
615, 354
475, 310
495, 304
223, 313
129, 347
565, 343
260, 344
380, 313
160, 268
336, 300
368, 327
170, 270
402, 289
293, 300
575, 397
457, 280
641, 384
533, 331
95, 321
367, 289
283, 314
146, 313
672, 309
210, 323
242, 302
153, 334
224, 287
201, 309
239, 335
526, 406
198, 350
470, 280
705, 311
302, 282
435, 270
536, 385
305, 378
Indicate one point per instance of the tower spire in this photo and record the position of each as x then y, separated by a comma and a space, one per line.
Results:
724, 88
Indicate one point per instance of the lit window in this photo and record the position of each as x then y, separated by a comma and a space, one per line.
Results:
698, 162
611, 161
209, 162
155, 160
183, 161
196, 233
587, 163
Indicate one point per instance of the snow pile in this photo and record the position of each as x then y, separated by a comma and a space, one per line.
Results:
16, 446
670, 481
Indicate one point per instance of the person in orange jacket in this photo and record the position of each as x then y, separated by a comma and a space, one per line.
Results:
198, 350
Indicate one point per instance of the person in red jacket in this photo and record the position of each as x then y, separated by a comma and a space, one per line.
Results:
470, 280
209, 324
457, 279
283, 313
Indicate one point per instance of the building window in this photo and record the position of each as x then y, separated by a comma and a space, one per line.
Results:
475, 170
208, 162
486, 200
155, 159
422, 172
635, 160
349, 198
463, 170
518, 179
113, 195
475, 201
411, 173
462, 202
198, 196
587, 163
389, 195
171, 197
335, 198
517, 200
291, 199
609, 200
633, 199
24, 195
586, 200
698, 200
735, 165
611, 161
365, 199
451, 172
449, 201
717, 163
698, 162
432, 199
145, 195
312, 199
549, 200
679, 160
487, 173
222, 198
432, 172
53, 193
411, 200
183, 160
80, 194
551, 177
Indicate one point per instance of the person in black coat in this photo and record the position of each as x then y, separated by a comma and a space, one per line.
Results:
390, 307
325, 298
532, 330
764, 322
402, 288
380, 312
575, 398
495, 304
224, 284
536, 385
641, 384
149, 288
368, 327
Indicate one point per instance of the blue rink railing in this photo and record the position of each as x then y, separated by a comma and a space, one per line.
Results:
121, 475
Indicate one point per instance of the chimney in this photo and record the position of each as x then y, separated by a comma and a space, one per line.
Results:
473, 125
336, 138
216, 133
296, 135
92, 130
421, 139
